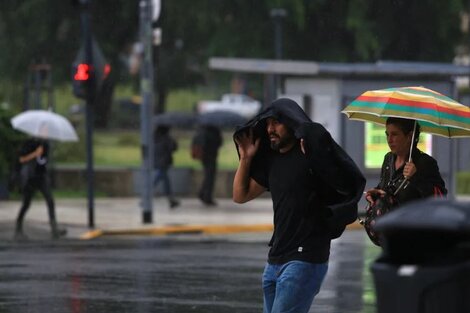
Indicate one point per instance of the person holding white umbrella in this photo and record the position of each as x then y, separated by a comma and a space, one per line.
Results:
33, 158
42, 125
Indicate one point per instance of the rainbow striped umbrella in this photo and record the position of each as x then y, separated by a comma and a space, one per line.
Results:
436, 113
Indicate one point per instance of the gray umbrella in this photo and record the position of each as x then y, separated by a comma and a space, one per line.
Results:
175, 119
221, 119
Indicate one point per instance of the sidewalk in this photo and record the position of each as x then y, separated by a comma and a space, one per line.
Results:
123, 216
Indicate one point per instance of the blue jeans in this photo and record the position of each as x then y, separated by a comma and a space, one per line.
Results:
291, 287
162, 175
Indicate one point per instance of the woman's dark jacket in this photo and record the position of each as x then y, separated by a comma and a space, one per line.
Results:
343, 180
421, 185
165, 145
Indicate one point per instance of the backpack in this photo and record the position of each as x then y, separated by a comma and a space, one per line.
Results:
197, 149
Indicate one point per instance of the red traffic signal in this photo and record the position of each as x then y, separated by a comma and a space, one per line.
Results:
86, 76
106, 70
82, 72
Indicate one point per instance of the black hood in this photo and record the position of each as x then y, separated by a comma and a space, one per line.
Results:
286, 111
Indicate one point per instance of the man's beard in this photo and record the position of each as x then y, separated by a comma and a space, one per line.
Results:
281, 143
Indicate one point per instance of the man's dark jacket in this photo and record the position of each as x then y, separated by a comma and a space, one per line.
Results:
344, 181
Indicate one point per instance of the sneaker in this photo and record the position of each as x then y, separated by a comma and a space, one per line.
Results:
60, 232
20, 236
174, 204
210, 203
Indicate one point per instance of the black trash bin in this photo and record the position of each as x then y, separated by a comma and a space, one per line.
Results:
425, 264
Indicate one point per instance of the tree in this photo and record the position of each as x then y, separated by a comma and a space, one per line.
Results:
318, 30
10, 142
407, 29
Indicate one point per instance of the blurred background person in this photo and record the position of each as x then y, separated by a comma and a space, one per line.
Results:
33, 160
165, 145
205, 147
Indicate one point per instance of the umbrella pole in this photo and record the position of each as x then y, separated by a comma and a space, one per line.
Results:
412, 141
409, 159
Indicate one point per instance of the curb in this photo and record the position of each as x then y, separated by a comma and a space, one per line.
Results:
189, 229
176, 230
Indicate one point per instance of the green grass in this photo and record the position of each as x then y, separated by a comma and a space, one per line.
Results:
64, 99
122, 148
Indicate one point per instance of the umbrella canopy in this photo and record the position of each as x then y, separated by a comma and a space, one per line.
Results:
175, 119
436, 113
221, 119
44, 124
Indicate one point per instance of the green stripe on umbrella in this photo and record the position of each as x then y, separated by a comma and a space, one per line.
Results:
436, 113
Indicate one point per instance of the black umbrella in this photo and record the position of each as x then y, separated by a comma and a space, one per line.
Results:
221, 119
422, 231
175, 119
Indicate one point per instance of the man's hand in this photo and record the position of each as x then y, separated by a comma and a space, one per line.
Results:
246, 188
247, 147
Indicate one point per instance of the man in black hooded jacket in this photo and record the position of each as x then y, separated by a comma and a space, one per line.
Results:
315, 187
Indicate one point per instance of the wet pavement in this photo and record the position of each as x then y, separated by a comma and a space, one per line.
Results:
117, 216
192, 259
181, 273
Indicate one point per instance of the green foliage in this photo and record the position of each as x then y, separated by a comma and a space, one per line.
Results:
321, 30
10, 142
37, 30
413, 30
11, 93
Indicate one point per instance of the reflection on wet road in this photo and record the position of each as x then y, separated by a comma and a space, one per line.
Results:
165, 275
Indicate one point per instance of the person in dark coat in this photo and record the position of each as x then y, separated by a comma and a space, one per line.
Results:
207, 142
402, 179
315, 187
165, 145
33, 176
423, 178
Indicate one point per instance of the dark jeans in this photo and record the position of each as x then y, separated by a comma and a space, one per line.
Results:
38, 183
207, 188
162, 176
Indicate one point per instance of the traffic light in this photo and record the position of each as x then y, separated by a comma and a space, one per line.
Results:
81, 75
82, 72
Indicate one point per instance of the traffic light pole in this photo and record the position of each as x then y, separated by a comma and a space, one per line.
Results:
146, 110
90, 99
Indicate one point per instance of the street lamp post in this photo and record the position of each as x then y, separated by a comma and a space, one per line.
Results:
277, 14
90, 99
146, 109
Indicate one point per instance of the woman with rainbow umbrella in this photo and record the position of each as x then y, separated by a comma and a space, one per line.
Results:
407, 173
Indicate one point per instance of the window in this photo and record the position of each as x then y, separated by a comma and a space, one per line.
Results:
375, 145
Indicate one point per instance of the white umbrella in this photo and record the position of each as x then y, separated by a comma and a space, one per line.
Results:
44, 124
